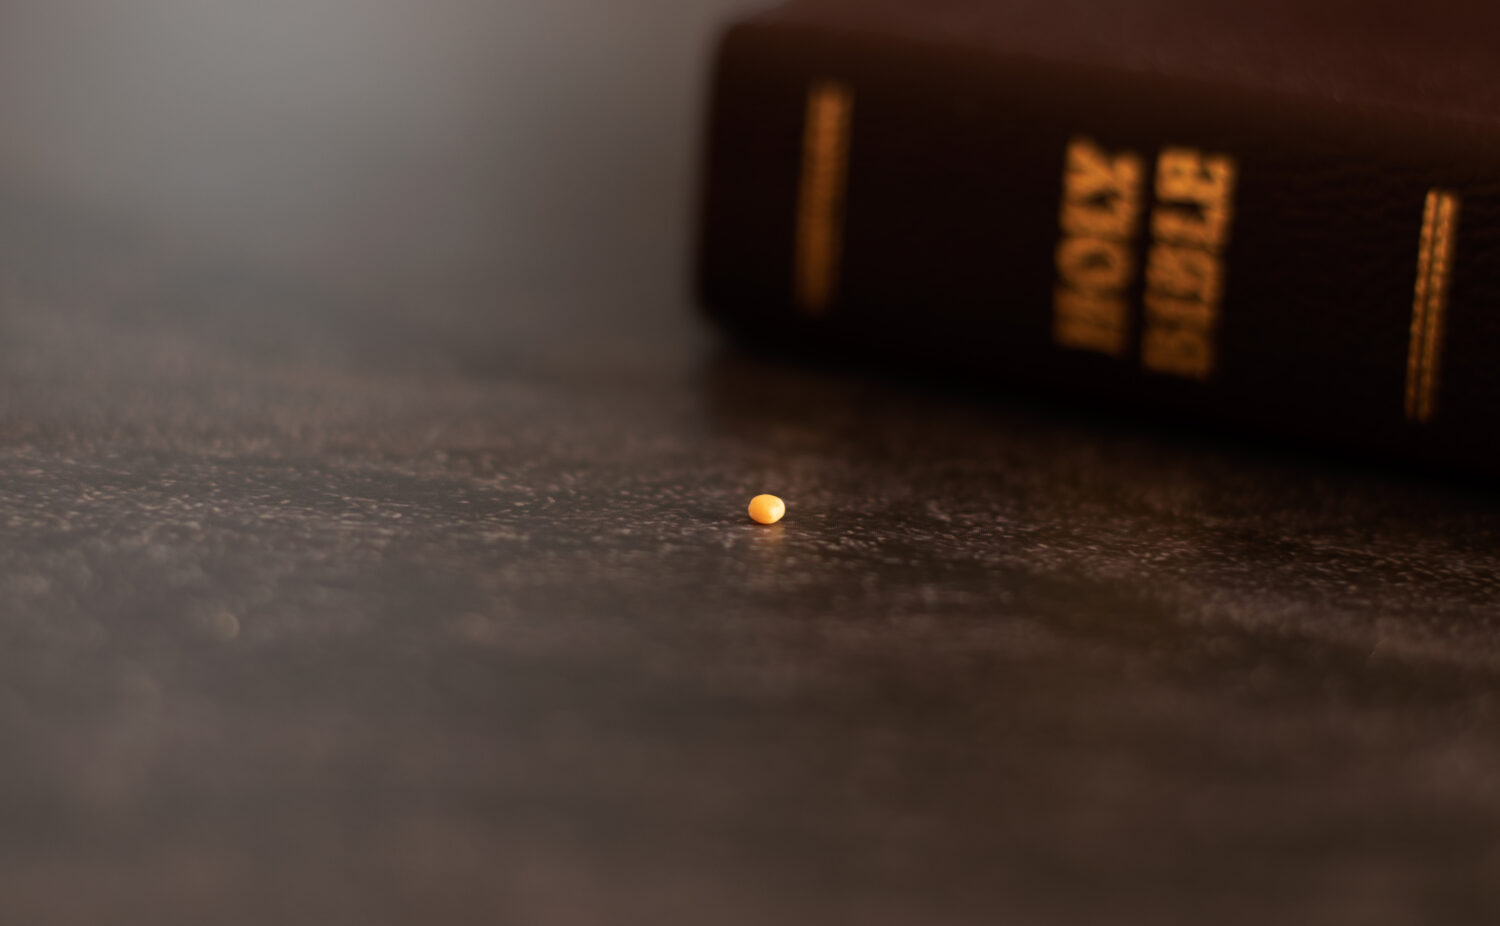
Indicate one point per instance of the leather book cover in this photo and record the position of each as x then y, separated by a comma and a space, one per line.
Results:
1281, 216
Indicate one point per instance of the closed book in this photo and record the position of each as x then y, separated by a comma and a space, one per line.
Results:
1277, 216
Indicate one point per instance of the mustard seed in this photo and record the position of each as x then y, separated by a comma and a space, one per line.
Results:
767, 509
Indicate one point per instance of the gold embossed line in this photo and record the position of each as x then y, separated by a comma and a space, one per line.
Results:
820, 201
1430, 305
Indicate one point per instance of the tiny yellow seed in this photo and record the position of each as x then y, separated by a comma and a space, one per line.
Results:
767, 509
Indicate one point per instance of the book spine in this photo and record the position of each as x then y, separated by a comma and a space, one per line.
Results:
1291, 265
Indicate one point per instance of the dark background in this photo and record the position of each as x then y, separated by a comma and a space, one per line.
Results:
372, 544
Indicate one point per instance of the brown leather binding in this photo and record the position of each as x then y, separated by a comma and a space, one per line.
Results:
1345, 123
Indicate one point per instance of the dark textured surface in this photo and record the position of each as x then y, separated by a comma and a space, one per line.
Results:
425, 593
304, 627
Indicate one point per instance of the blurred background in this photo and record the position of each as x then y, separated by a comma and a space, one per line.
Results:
439, 157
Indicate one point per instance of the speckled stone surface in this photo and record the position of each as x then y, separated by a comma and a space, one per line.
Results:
329, 617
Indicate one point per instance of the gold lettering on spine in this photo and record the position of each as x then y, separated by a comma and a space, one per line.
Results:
820, 203
1430, 306
1100, 215
1185, 268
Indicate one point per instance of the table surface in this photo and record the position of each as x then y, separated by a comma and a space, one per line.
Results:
341, 598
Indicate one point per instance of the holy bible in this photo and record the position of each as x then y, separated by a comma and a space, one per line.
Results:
1281, 216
